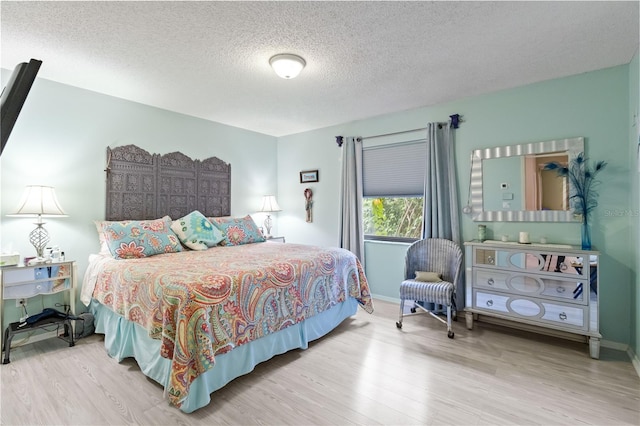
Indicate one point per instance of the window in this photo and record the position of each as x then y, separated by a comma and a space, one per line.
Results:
393, 191
394, 218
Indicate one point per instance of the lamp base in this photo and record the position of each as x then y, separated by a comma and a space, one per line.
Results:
268, 222
39, 238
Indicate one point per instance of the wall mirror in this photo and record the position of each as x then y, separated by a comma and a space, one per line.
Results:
508, 183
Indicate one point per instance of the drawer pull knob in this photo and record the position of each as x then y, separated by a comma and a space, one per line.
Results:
563, 316
490, 260
490, 281
560, 289
489, 302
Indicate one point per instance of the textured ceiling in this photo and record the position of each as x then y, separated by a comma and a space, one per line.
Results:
211, 59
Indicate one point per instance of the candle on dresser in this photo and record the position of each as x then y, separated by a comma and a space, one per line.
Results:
524, 238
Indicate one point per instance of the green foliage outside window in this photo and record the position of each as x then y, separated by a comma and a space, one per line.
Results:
393, 217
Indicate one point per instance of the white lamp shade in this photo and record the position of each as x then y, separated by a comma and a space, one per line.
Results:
39, 200
287, 65
269, 204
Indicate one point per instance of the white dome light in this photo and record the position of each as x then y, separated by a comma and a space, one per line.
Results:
287, 65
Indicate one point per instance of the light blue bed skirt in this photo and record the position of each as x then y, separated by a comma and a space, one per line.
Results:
124, 339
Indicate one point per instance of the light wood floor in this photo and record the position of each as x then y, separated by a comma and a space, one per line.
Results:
364, 372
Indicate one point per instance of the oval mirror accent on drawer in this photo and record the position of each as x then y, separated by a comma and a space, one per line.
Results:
526, 284
531, 261
525, 307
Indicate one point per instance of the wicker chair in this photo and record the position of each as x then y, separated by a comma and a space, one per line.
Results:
433, 255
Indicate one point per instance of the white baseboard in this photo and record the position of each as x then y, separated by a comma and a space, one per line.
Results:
614, 345
634, 360
386, 298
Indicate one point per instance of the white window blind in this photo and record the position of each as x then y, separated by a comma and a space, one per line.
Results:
394, 170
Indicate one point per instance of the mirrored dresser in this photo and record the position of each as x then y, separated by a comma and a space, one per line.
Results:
542, 285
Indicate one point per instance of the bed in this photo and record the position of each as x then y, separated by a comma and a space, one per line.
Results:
196, 318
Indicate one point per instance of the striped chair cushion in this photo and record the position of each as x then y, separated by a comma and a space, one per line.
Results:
438, 292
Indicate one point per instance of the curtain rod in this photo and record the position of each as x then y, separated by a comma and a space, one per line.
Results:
393, 133
339, 139
456, 119
396, 144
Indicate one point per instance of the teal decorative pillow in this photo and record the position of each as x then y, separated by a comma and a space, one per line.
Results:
140, 238
238, 230
196, 232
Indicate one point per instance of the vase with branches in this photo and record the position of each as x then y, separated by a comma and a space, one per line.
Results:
583, 195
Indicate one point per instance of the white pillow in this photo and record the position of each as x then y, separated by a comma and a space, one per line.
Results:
430, 277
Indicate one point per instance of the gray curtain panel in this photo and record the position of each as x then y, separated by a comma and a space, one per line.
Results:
351, 231
440, 186
441, 191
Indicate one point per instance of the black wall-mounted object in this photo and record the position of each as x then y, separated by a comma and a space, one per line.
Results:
14, 95
456, 119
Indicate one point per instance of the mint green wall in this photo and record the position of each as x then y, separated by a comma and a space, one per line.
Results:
510, 171
594, 105
61, 138
309, 151
634, 218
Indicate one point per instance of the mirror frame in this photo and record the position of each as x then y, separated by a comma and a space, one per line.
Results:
573, 146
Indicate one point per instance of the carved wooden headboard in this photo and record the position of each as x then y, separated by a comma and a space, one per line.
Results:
141, 185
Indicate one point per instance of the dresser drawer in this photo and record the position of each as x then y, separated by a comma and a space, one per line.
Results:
527, 261
487, 278
536, 310
566, 315
25, 282
24, 291
491, 302
567, 291
513, 282
484, 256
20, 275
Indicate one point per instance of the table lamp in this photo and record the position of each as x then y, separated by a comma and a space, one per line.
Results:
39, 201
269, 205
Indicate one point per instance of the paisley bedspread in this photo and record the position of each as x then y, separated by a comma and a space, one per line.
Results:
204, 303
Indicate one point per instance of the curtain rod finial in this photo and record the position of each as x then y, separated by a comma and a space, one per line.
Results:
339, 140
456, 119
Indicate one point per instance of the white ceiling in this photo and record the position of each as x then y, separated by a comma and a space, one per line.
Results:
211, 59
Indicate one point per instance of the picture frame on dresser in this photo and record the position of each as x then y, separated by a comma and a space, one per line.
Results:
550, 288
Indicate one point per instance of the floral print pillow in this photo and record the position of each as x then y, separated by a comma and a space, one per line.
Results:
238, 230
140, 238
196, 232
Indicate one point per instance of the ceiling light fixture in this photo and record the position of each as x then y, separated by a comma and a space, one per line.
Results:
287, 65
